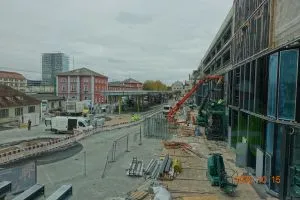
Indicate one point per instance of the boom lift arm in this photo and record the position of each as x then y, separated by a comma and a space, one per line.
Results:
190, 93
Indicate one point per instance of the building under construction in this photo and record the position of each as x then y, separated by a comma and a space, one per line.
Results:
257, 51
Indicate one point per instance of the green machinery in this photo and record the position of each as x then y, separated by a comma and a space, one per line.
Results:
202, 118
215, 111
217, 175
216, 128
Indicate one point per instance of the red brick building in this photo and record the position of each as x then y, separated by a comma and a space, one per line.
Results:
82, 84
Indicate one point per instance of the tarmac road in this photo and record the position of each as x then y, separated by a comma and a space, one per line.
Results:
92, 186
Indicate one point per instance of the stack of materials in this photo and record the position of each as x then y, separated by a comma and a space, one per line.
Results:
136, 168
175, 145
166, 169
152, 170
186, 131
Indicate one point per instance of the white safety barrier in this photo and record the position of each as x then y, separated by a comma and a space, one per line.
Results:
57, 143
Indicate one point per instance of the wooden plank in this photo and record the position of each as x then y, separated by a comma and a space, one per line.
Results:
206, 197
139, 195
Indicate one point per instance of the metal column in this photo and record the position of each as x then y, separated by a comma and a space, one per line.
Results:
120, 104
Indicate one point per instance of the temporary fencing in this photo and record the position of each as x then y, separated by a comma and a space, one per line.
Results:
156, 127
22, 177
120, 146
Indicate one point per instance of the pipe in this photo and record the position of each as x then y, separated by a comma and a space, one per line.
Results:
163, 165
154, 171
152, 167
149, 165
168, 166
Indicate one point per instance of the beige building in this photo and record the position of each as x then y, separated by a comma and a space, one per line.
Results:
17, 106
14, 80
177, 86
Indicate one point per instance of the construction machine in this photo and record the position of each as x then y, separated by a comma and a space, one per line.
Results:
215, 129
174, 109
217, 175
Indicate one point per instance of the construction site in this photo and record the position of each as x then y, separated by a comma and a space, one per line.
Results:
239, 141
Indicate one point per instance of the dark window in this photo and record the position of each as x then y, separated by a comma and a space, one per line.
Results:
261, 94
247, 86
234, 128
229, 86
243, 126
252, 85
31, 109
242, 84
256, 131
81, 124
236, 87
4, 113
18, 111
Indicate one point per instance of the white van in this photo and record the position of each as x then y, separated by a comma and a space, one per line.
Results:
166, 109
68, 124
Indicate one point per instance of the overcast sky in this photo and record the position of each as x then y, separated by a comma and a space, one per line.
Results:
142, 39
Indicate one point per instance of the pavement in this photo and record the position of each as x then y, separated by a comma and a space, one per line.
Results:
17, 134
88, 184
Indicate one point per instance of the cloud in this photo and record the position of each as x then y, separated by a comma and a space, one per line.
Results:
130, 18
157, 39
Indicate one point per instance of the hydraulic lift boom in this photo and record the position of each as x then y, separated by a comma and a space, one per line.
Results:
173, 111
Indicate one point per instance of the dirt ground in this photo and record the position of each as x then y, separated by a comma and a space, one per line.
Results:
192, 183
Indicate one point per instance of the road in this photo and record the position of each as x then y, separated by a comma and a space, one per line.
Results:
18, 134
92, 186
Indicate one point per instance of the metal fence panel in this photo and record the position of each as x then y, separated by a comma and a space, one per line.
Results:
21, 177
156, 127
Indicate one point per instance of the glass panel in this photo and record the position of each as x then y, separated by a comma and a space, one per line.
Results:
243, 125
270, 137
234, 128
294, 167
273, 68
287, 84
255, 138
242, 84
252, 86
277, 158
236, 88
247, 87
259, 88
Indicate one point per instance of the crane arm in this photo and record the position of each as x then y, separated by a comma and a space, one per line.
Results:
190, 93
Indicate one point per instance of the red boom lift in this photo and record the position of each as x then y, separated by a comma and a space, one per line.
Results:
173, 111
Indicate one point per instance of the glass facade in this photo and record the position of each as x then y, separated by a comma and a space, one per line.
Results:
270, 137
272, 90
277, 158
255, 138
288, 84
52, 64
261, 87
234, 128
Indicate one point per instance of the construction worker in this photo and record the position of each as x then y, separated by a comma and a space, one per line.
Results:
29, 124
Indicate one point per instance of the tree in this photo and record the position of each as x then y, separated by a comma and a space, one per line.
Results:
154, 85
